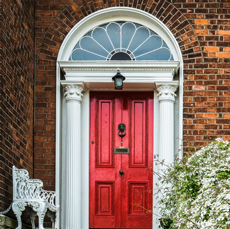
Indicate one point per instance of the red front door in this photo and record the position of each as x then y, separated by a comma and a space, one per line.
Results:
121, 201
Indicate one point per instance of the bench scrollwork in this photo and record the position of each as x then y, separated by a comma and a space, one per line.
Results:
28, 194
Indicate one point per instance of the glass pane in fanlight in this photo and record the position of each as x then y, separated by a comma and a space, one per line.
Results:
89, 34
140, 36
113, 31
160, 54
164, 44
121, 56
80, 54
152, 33
127, 31
137, 25
101, 37
104, 26
120, 22
77, 46
171, 57
151, 44
89, 44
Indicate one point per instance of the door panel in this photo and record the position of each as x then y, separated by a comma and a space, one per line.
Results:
120, 201
137, 146
138, 195
104, 157
104, 198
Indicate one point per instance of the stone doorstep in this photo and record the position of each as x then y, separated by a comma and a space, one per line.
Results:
9, 223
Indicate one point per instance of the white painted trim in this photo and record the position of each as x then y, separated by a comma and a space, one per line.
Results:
95, 19
149, 64
134, 71
85, 160
156, 122
139, 75
58, 144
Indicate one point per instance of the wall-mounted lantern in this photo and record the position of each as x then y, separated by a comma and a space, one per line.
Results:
118, 80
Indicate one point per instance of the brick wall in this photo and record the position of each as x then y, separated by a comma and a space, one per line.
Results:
207, 83
202, 29
16, 92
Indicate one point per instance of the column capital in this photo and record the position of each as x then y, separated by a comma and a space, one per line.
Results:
167, 92
73, 91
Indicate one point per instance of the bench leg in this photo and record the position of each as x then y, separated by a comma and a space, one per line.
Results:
32, 215
41, 215
52, 216
18, 208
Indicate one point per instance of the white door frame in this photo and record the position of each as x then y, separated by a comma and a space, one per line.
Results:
140, 75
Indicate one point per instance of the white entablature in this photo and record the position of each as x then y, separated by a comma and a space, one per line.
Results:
134, 71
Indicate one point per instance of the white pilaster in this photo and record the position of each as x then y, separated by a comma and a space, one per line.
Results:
166, 136
72, 170
166, 97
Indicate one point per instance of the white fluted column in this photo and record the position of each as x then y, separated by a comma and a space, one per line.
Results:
73, 95
166, 139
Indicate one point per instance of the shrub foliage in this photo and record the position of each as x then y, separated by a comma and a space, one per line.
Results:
197, 190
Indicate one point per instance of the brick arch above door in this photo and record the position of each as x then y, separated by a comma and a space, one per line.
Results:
49, 43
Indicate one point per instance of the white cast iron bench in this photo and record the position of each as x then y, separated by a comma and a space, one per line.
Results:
28, 194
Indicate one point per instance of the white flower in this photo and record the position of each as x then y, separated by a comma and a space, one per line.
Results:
200, 189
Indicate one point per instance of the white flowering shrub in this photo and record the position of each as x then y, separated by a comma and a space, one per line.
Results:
197, 193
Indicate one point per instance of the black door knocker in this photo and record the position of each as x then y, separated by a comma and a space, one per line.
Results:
121, 130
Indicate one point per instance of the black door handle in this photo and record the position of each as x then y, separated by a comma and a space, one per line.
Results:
121, 172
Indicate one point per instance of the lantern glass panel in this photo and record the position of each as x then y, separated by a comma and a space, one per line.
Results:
118, 82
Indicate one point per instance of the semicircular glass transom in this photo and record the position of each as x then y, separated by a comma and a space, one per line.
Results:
121, 41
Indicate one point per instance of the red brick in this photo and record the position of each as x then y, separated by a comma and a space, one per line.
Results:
223, 54
223, 32
226, 116
202, 32
211, 49
210, 115
199, 88
202, 21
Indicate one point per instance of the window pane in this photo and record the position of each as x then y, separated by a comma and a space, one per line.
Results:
160, 54
113, 31
127, 32
120, 56
102, 38
80, 54
140, 36
151, 44
91, 45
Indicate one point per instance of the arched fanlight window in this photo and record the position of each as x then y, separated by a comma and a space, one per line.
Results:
121, 41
